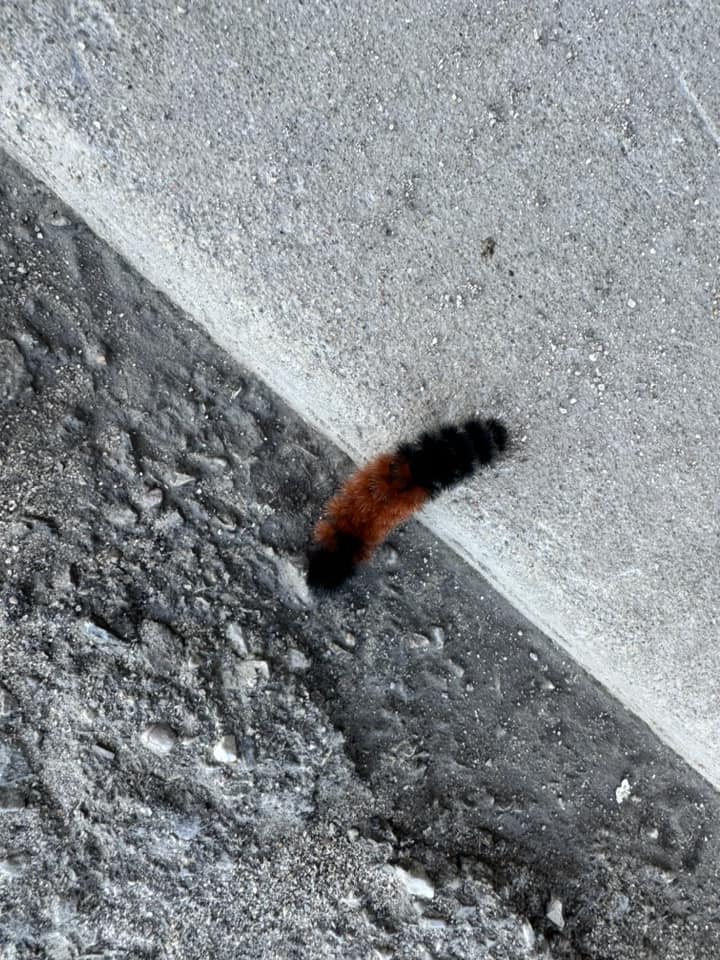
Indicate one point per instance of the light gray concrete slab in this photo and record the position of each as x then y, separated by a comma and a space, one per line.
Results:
316, 185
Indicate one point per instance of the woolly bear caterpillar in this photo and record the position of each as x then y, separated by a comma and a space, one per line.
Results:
389, 489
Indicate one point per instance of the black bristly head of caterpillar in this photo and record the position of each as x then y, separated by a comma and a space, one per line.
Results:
442, 458
488, 438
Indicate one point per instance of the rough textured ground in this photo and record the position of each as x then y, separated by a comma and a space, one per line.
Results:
199, 759
400, 214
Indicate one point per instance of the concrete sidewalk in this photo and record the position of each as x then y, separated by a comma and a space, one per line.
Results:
320, 188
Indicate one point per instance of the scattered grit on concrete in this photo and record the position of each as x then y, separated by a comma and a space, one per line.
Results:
320, 184
199, 759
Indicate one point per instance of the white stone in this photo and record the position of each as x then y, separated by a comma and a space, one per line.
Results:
225, 750
415, 881
554, 913
159, 738
234, 633
623, 791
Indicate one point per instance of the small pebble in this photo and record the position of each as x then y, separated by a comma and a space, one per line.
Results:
225, 750
297, 661
415, 881
554, 913
101, 638
174, 478
418, 640
152, 498
234, 633
347, 641
292, 580
159, 738
623, 791
392, 559
187, 828
7, 702
13, 865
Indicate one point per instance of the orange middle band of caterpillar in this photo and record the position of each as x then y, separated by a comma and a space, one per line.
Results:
389, 489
